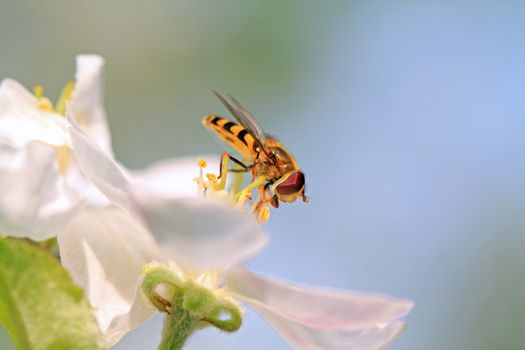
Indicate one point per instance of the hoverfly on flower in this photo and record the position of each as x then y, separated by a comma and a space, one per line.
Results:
284, 180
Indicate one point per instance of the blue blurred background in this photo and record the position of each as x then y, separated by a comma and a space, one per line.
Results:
408, 118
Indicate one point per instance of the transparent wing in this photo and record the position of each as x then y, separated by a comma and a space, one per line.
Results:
243, 117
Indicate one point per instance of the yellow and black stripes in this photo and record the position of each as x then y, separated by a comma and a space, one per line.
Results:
235, 135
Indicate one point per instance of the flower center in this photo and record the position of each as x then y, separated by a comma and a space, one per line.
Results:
45, 105
235, 194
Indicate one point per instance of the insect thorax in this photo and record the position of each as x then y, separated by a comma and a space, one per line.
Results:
284, 163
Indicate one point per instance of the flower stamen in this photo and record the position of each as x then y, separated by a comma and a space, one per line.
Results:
224, 172
65, 96
236, 196
242, 198
44, 104
201, 162
256, 183
264, 214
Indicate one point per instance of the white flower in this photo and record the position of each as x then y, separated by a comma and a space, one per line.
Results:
45, 193
201, 240
42, 190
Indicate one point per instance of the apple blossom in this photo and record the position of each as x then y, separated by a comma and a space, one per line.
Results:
45, 193
151, 253
42, 190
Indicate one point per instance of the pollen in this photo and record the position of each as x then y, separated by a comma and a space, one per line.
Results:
243, 197
202, 163
43, 102
212, 177
213, 185
38, 90
264, 214
45, 105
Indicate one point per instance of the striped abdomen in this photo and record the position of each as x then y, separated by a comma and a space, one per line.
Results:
235, 135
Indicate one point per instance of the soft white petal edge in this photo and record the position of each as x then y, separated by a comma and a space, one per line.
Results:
99, 166
314, 318
87, 100
200, 233
35, 201
104, 250
21, 121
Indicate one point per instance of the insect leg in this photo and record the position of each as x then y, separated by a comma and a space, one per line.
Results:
271, 198
262, 194
244, 169
305, 199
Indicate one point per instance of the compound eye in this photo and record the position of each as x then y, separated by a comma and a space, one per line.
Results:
292, 184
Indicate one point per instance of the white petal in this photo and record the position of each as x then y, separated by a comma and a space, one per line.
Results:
201, 233
308, 338
21, 121
82, 185
104, 250
35, 202
99, 166
174, 177
87, 100
321, 318
141, 310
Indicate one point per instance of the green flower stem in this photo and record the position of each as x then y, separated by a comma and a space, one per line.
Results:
188, 306
179, 324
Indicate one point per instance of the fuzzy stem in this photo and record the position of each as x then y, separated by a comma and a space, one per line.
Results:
178, 326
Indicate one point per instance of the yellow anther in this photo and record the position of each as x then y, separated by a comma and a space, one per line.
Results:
242, 198
214, 186
213, 183
201, 162
65, 96
38, 90
45, 105
211, 177
43, 102
264, 214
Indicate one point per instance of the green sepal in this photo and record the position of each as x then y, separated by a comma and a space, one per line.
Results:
189, 306
231, 323
153, 275
40, 306
197, 300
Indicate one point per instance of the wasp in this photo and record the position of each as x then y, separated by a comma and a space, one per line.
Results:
267, 157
